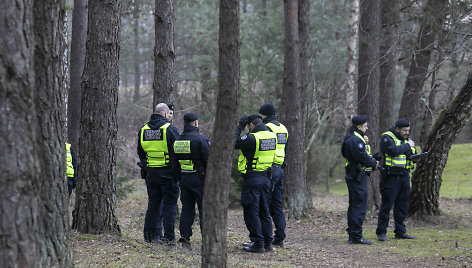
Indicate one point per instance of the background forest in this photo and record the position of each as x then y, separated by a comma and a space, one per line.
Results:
261, 70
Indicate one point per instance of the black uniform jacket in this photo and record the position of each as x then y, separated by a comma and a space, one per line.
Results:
388, 147
156, 122
272, 119
353, 149
199, 149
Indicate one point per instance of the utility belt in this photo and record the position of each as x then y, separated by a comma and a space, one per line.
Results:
394, 171
355, 171
252, 173
188, 171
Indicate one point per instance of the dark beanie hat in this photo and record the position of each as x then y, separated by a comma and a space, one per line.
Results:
402, 122
171, 106
267, 109
190, 117
253, 117
359, 120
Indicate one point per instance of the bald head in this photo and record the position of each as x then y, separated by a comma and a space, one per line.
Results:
162, 109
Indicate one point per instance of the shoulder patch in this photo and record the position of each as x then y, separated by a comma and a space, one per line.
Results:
385, 139
360, 145
243, 137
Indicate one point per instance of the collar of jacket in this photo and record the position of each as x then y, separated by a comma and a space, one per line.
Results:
190, 128
260, 127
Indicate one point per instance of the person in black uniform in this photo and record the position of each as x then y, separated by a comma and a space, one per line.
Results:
397, 147
357, 162
191, 152
257, 151
155, 150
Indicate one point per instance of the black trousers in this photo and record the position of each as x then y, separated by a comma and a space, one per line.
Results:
357, 206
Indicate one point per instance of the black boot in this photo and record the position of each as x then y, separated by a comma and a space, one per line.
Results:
248, 244
258, 247
268, 246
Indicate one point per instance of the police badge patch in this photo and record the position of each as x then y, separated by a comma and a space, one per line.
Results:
360, 145
243, 137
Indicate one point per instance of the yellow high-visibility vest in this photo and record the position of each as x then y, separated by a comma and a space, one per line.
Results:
263, 156
282, 137
399, 160
367, 149
69, 167
183, 147
154, 143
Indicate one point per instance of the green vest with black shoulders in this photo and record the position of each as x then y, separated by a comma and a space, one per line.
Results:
69, 167
154, 143
367, 149
264, 154
183, 147
399, 160
282, 137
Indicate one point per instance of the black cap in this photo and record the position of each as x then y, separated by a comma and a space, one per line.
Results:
190, 117
253, 117
171, 106
402, 122
267, 109
359, 120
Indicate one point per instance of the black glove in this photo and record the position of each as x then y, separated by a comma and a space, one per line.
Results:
378, 156
242, 122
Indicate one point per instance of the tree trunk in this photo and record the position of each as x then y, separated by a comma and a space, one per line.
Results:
388, 61
304, 35
295, 186
137, 58
164, 55
34, 226
96, 200
349, 107
410, 105
368, 83
215, 201
426, 179
77, 58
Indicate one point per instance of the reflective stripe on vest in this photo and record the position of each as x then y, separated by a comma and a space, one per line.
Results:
263, 156
367, 149
183, 147
154, 143
69, 167
282, 137
399, 160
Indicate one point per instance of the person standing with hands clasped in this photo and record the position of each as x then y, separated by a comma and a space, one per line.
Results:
397, 148
191, 152
358, 164
155, 150
257, 151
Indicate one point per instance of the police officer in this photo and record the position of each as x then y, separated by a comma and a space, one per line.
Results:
267, 112
71, 167
191, 151
358, 162
155, 150
395, 181
257, 151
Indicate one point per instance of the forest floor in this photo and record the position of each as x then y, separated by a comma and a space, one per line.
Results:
318, 239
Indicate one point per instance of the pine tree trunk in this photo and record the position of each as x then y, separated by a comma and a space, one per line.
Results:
410, 105
164, 55
34, 227
137, 58
349, 104
368, 83
215, 199
96, 197
77, 59
295, 183
304, 32
426, 179
388, 48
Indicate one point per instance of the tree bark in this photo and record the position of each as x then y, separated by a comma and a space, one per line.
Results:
34, 227
411, 99
164, 55
96, 196
295, 184
426, 179
368, 83
77, 58
304, 35
137, 58
349, 107
215, 201
388, 61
